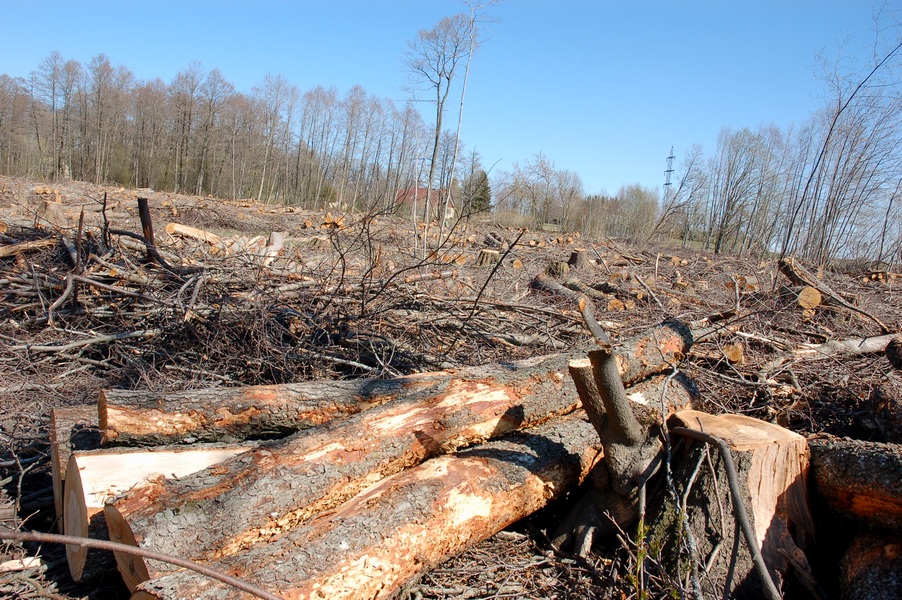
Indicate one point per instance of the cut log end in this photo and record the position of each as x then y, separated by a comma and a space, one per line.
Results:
132, 568
75, 519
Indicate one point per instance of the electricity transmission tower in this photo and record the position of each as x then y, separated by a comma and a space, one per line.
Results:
667, 174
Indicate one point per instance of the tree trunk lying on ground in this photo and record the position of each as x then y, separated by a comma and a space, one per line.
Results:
374, 543
771, 464
234, 414
93, 477
872, 567
858, 479
255, 497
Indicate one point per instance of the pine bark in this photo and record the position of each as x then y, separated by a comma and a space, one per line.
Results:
378, 540
859, 480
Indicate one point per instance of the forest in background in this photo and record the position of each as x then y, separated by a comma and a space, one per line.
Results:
825, 190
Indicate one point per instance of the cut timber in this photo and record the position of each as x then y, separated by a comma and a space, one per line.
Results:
858, 479
378, 540
193, 233
872, 567
772, 466
71, 428
808, 298
22, 247
234, 414
257, 496
93, 477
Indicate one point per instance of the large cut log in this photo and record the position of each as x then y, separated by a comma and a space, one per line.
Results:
257, 496
771, 464
239, 413
858, 479
378, 540
93, 477
234, 414
71, 428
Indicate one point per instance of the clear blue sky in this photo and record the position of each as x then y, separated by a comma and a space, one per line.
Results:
601, 88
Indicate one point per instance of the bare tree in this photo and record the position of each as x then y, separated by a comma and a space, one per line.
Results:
432, 60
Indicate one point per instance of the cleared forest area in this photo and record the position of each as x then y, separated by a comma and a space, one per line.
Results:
458, 362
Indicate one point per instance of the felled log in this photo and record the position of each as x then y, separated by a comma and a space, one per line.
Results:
235, 414
29, 246
193, 233
872, 567
771, 464
801, 277
858, 479
93, 477
254, 497
71, 428
374, 543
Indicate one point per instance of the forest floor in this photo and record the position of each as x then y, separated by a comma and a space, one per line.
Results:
84, 309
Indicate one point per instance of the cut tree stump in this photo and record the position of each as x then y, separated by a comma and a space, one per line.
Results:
486, 258
579, 259
772, 466
93, 477
71, 428
858, 479
377, 541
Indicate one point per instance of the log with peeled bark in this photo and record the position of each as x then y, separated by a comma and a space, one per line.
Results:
252, 498
93, 477
234, 414
71, 428
771, 465
377, 541
858, 479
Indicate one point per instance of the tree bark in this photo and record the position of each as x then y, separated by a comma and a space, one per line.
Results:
93, 477
234, 414
872, 567
71, 428
771, 465
374, 543
859, 480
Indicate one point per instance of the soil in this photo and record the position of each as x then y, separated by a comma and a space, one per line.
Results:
352, 296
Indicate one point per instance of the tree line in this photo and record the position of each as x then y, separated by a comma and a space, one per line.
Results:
824, 190
198, 135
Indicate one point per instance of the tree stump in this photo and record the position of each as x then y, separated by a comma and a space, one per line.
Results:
579, 259
487, 258
771, 465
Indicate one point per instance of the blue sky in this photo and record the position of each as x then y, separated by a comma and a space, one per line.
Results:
601, 88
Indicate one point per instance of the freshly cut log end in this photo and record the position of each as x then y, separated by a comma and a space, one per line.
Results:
94, 477
71, 428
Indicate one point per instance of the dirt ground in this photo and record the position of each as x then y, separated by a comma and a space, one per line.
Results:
86, 308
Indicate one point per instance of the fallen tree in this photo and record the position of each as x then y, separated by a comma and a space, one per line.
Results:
256, 497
